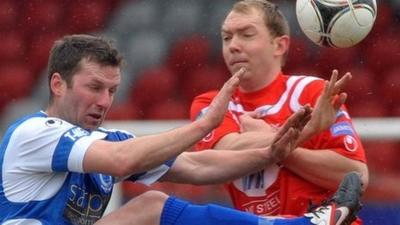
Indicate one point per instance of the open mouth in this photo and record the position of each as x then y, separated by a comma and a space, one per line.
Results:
95, 116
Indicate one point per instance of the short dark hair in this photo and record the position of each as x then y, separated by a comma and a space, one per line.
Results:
67, 53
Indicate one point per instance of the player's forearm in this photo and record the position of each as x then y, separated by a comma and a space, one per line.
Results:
246, 140
151, 151
306, 134
214, 167
143, 153
324, 168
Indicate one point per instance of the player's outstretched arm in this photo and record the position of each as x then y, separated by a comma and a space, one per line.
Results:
145, 153
327, 106
211, 167
218, 107
309, 164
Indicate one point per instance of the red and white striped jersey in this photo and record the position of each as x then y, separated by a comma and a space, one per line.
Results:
276, 190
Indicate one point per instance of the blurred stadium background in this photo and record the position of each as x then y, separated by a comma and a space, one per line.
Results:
172, 51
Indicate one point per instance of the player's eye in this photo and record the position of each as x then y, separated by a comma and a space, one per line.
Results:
248, 35
95, 88
112, 91
226, 37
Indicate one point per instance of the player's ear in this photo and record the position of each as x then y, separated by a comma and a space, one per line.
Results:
57, 84
281, 45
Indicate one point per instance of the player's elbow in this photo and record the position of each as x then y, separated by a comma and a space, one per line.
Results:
201, 178
198, 175
122, 166
210, 176
365, 182
363, 170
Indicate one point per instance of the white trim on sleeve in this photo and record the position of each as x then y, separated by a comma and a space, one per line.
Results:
75, 160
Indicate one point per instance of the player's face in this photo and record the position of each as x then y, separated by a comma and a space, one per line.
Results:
247, 42
87, 102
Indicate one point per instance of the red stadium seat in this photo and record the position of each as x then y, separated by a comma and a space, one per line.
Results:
40, 46
189, 53
12, 45
86, 15
390, 86
154, 86
168, 110
42, 16
307, 70
16, 81
394, 110
383, 53
389, 90
341, 59
299, 53
362, 86
125, 111
202, 80
8, 14
384, 170
371, 107
382, 156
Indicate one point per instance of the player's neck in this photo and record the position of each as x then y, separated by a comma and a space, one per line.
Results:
50, 112
53, 111
258, 81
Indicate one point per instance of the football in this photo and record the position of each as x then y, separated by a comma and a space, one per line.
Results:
336, 23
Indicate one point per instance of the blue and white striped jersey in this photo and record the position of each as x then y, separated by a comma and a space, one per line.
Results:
42, 179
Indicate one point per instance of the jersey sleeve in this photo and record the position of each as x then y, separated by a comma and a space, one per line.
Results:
147, 177
229, 125
341, 137
114, 135
49, 145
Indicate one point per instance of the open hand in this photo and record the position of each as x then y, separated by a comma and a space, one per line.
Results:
252, 121
328, 103
218, 107
287, 138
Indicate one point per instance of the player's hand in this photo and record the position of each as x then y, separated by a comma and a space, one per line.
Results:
252, 121
218, 107
328, 104
287, 138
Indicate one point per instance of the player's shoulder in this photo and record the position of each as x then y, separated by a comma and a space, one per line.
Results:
116, 134
200, 104
307, 82
37, 123
306, 78
206, 96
